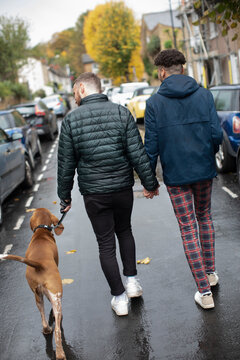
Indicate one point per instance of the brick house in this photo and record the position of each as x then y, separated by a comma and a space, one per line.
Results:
212, 59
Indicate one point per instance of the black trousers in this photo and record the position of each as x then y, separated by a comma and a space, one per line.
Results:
110, 214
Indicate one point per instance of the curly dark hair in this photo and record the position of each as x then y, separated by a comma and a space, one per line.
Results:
170, 57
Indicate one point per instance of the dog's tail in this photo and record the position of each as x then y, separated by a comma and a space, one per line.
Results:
26, 261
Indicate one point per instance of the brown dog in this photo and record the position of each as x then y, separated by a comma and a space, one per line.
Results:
42, 270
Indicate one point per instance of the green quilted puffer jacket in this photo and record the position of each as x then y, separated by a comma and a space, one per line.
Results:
101, 140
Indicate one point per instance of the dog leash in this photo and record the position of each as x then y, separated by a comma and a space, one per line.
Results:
60, 221
50, 228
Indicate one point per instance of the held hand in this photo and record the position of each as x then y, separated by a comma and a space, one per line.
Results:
150, 194
65, 206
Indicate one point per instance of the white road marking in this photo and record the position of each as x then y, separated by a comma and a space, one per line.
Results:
19, 222
7, 249
49, 156
54, 145
234, 196
40, 177
47, 161
44, 168
51, 151
29, 201
36, 187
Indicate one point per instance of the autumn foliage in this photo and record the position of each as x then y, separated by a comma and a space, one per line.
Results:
112, 39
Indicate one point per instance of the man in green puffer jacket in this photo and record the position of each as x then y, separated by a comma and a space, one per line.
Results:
101, 140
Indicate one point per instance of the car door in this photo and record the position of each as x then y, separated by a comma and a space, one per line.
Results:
12, 160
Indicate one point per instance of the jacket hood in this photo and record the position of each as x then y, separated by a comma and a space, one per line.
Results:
178, 86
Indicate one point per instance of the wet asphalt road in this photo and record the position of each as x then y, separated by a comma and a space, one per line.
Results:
165, 324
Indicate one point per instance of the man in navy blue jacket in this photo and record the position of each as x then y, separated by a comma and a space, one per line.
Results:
182, 127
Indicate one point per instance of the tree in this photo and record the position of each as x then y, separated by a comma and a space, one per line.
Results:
65, 47
77, 47
223, 12
13, 46
111, 36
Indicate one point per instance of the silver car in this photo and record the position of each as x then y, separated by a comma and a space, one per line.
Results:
15, 166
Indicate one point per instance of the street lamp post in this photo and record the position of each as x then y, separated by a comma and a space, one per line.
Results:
171, 14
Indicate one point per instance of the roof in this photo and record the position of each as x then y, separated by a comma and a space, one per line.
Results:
163, 17
86, 59
56, 69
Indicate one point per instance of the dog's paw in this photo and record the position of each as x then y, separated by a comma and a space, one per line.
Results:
47, 330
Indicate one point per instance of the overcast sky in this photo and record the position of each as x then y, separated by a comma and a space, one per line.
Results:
45, 17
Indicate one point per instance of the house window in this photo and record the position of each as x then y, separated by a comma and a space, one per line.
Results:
95, 68
213, 30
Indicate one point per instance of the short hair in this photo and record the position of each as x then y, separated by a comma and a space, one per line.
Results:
90, 80
171, 59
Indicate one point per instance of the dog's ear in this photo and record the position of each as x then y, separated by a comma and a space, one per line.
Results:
58, 229
32, 225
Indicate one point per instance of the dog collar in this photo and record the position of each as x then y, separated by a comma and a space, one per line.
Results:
43, 227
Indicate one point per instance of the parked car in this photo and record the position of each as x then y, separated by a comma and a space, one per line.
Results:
137, 103
126, 92
56, 103
227, 102
238, 165
15, 166
66, 97
112, 91
11, 121
37, 114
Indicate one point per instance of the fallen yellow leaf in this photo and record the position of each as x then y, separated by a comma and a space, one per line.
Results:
54, 202
67, 281
30, 210
16, 199
144, 261
71, 251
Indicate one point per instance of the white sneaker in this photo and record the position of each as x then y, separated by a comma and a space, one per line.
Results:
205, 301
120, 306
213, 279
133, 288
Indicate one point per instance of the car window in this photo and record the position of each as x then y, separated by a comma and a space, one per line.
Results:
26, 110
18, 119
3, 137
214, 94
115, 90
5, 121
226, 100
42, 105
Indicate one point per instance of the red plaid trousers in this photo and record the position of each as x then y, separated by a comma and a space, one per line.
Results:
192, 205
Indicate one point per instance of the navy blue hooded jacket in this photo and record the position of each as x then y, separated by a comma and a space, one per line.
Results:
182, 127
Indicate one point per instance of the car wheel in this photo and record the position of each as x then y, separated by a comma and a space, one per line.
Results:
28, 181
56, 132
238, 169
39, 150
224, 161
51, 135
31, 158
